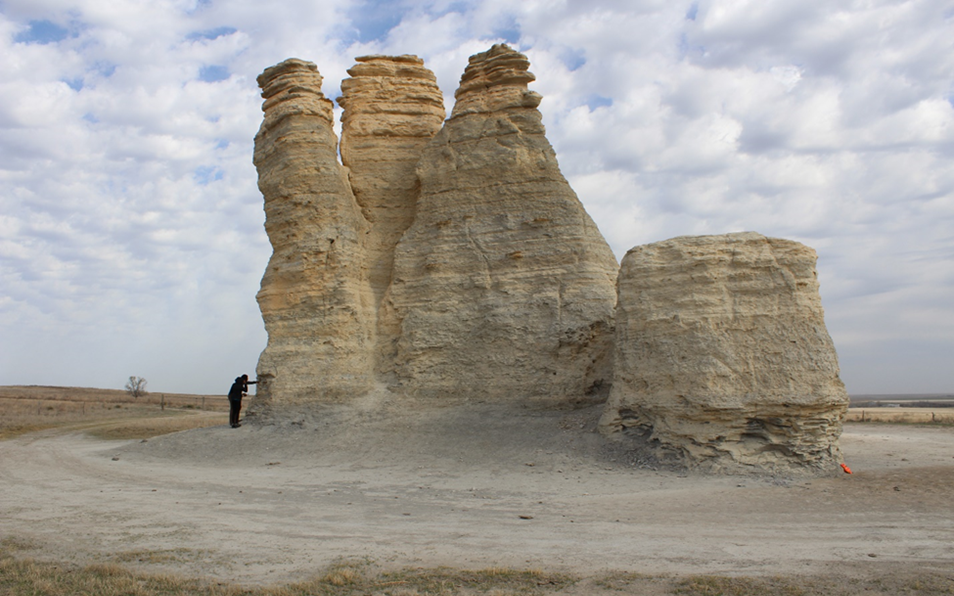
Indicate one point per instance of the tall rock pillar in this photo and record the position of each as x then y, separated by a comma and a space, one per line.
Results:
392, 109
503, 288
314, 297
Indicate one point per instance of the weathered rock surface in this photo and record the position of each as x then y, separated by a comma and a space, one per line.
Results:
503, 287
392, 109
314, 297
722, 355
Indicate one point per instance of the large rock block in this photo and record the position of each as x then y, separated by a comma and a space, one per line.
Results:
503, 287
314, 297
723, 360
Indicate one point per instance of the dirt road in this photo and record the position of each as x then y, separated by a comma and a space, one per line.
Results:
465, 487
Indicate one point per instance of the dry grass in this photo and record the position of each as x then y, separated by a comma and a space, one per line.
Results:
107, 413
923, 584
113, 396
20, 576
147, 427
902, 415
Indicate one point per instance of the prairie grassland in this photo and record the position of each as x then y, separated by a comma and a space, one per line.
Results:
106, 413
902, 415
80, 395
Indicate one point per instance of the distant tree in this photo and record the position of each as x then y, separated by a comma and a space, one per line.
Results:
136, 386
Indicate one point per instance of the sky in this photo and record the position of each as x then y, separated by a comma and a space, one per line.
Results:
131, 226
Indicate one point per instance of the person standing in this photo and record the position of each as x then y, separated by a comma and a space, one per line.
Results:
238, 390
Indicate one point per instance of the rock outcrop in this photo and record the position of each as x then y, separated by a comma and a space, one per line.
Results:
456, 262
723, 360
314, 297
392, 109
503, 288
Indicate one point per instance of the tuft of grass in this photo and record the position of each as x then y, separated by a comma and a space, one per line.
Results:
920, 583
27, 577
715, 585
176, 555
623, 581
443, 580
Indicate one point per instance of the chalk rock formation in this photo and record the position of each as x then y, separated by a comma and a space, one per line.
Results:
503, 287
722, 355
314, 297
392, 109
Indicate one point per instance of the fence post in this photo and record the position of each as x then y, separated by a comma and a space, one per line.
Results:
203, 402
162, 401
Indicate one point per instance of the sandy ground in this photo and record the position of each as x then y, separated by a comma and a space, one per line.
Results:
466, 486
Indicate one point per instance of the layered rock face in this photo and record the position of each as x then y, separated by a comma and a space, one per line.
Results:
314, 297
392, 109
456, 263
722, 355
503, 287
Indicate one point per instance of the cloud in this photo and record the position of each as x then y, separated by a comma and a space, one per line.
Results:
131, 237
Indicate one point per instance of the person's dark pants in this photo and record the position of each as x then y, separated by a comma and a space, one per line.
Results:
235, 406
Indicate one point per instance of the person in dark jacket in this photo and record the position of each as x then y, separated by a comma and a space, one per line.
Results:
236, 393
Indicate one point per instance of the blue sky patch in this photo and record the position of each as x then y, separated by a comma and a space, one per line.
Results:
89, 117
573, 58
686, 48
598, 101
373, 19
207, 174
212, 33
443, 9
42, 32
213, 73
105, 68
510, 32
692, 12
75, 84
199, 5
221, 144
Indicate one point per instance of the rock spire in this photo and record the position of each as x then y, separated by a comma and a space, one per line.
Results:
314, 296
503, 288
392, 109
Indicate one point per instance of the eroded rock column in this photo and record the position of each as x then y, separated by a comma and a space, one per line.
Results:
723, 360
503, 287
314, 297
392, 109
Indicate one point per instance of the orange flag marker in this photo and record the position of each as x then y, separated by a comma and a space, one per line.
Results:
846, 468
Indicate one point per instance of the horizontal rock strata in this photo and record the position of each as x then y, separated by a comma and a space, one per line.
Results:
392, 109
503, 287
314, 296
722, 356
